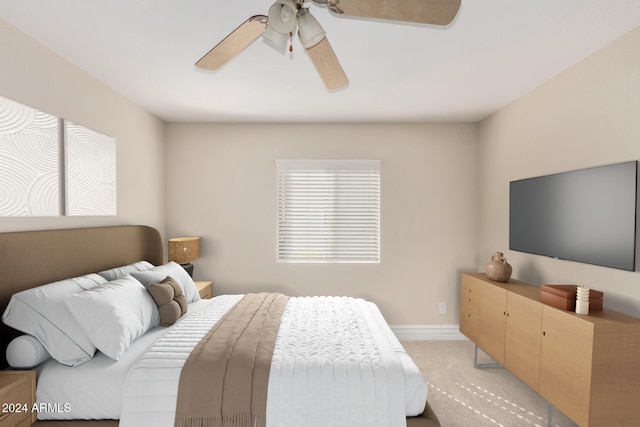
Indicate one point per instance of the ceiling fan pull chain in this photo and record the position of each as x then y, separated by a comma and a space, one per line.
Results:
290, 41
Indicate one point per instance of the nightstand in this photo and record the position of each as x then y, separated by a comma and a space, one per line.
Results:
205, 288
17, 398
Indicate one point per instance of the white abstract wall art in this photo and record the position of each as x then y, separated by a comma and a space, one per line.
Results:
29, 161
90, 169
51, 167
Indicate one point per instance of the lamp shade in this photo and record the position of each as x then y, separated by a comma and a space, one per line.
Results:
282, 16
276, 40
184, 249
309, 29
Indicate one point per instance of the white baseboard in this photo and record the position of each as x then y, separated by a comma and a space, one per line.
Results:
427, 332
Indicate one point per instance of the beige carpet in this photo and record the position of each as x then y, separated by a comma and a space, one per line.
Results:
461, 395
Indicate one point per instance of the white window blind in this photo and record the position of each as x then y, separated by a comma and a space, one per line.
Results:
328, 211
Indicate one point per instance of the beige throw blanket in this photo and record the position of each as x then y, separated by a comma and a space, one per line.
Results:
225, 379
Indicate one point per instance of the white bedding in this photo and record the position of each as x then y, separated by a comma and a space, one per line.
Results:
93, 390
334, 365
151, 387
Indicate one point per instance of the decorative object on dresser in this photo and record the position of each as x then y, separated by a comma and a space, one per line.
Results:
498, 269
18, 398
564, 297
183, 250
582, 300
585, 366
205, 288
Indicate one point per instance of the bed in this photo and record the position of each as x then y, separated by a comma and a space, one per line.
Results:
33, 258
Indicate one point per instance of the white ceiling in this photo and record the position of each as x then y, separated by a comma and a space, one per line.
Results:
494, 52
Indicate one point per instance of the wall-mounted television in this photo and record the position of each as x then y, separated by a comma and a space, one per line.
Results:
586, 215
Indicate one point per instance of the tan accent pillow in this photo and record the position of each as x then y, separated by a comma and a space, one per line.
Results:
170, 298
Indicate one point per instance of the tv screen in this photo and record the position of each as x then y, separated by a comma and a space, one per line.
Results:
587, 215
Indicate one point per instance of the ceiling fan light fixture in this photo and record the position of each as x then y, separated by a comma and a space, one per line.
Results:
275, 39
309, 29
282, 16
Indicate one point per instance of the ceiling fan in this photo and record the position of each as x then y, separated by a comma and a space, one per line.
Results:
284, 16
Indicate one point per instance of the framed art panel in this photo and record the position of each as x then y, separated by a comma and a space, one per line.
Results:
90, 171
30, 177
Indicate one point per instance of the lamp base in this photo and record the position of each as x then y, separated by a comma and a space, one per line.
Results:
188, 267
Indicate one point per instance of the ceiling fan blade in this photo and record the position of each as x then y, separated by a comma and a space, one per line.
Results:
327, 64
234, 43
435, 12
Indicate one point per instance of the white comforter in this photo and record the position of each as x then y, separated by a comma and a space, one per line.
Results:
335, 364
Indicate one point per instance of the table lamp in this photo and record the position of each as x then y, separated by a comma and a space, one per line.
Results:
183, 250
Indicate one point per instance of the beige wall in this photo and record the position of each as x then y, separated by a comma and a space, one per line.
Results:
221, 186
586, 116
35, 76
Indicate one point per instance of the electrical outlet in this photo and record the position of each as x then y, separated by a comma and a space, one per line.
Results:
442, 308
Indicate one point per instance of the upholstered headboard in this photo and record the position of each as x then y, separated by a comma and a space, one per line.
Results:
32, 258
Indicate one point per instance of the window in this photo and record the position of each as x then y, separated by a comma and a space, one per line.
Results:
328, 211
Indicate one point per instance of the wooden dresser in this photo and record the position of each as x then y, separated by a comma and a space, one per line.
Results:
586, 366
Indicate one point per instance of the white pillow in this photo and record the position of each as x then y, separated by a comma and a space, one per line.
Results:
175, 270
41, 312
118, 272
114, 314
26, 352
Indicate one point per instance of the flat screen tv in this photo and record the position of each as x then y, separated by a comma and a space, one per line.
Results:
587, 215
